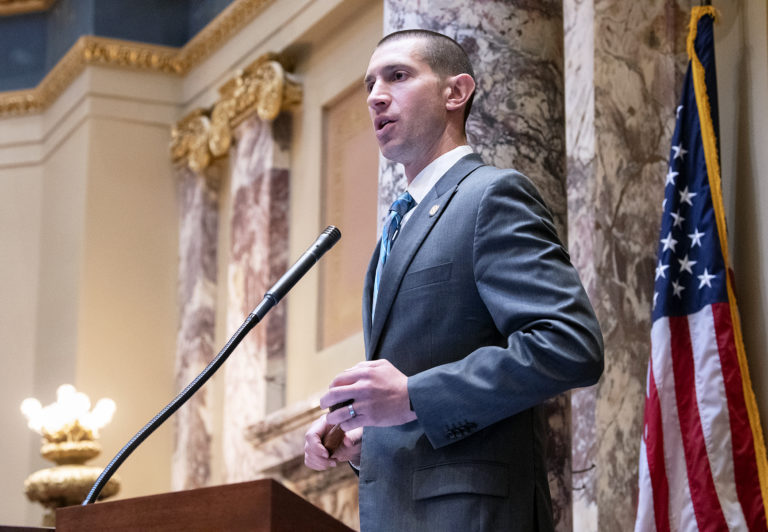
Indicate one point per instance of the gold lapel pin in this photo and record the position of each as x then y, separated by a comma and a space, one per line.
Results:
433, 210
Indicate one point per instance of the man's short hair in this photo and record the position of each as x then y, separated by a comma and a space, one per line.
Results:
444, 56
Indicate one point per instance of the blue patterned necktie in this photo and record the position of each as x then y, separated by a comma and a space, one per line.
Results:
397, 211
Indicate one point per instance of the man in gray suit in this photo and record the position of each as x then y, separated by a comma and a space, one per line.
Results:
472, 316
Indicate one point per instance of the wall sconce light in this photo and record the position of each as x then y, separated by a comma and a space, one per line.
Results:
69, 429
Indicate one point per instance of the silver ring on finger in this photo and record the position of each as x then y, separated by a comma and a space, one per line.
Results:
352, 412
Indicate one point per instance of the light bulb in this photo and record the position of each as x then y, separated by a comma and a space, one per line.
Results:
72, 408
79, 404
33, 411
64, 393
31, 407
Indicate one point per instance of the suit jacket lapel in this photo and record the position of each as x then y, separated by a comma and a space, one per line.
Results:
406, 245
368, 296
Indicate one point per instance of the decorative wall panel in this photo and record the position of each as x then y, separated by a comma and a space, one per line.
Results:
349, 193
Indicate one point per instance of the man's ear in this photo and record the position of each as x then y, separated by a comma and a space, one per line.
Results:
458, 90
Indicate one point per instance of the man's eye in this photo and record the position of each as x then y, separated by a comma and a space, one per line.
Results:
398, 76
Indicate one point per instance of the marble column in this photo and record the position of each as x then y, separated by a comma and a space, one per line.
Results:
517, 122
198, 198
638, 67
580, 149
258, 256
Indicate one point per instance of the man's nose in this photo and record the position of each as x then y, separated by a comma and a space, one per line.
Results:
378, 96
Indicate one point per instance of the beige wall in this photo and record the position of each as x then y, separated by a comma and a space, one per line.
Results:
88, 272
741, 46
19, 260
127, 303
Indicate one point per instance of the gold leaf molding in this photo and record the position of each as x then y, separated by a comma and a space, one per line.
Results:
263, 87
89, 50
92, 50
18, 7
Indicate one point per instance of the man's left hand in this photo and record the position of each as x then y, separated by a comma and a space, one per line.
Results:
379, 392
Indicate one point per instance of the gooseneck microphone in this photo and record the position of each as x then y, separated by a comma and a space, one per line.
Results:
324, 242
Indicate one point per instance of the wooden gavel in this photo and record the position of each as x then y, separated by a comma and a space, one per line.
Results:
335, 436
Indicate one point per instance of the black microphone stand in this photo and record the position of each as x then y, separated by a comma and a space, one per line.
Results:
324, 242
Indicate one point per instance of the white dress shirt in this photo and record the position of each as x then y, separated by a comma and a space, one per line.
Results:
431, 174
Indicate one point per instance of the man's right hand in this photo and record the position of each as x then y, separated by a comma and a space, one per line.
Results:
316, 456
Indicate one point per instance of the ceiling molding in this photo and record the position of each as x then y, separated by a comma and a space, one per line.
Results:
93, 50
89, 50
21, 7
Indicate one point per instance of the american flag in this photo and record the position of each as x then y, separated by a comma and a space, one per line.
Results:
702, 457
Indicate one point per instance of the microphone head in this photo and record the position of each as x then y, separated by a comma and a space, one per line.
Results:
325, 241
332, 233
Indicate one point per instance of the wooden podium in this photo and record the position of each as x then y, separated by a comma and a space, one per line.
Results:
259, 506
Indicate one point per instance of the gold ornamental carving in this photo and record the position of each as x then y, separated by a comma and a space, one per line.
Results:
92, 50
263, 88
19, 7
111, 52
189, 141
89, 50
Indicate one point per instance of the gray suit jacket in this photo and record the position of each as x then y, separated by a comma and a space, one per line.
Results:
480, 306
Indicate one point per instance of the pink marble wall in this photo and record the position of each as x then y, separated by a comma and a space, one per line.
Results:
198, 197
258, 256
517, 122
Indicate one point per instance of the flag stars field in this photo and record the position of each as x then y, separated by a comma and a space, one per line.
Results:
705, 279
686, 264
679, 151
671, 177
686, 196
660, 269
695, 238
677, 289
678, 218
669, 242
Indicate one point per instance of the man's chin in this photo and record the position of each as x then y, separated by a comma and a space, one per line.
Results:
391, 153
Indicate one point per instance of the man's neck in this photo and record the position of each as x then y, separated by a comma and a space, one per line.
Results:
448, 143
433, 172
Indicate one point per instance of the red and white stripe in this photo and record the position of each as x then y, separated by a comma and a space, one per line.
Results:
697, 465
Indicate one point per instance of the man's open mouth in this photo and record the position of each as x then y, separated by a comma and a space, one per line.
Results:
383, 122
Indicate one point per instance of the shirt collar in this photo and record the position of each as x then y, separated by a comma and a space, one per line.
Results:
431, 174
